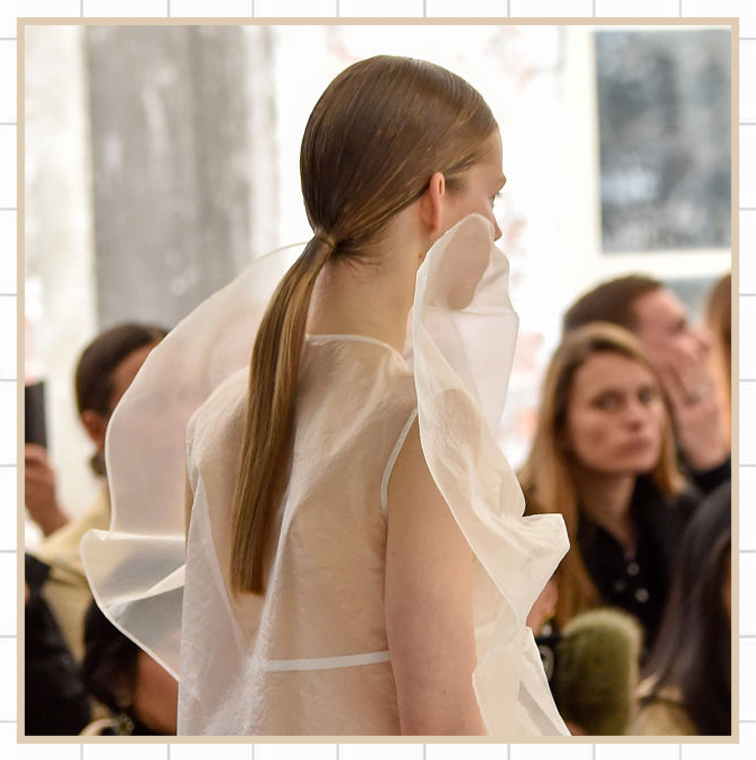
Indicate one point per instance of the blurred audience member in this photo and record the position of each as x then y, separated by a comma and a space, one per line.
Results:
104, 372
140, 693
719, 322
603, 455
596, 672
592, 665
687, 691
680, 353
56, 702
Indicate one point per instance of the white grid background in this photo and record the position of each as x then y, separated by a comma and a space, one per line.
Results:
744, 9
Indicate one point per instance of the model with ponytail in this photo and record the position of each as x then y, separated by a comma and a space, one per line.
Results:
367, 153
356, 559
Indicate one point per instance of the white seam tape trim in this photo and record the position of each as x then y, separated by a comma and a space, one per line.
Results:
325, 663
392, 461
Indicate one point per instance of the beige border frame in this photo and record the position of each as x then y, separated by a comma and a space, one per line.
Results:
733, 23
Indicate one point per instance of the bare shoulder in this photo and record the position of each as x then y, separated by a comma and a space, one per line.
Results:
416, 504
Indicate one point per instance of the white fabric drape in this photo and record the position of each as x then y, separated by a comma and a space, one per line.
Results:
464, 333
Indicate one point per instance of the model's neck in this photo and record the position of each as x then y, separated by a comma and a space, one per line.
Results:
606, 500
372, 297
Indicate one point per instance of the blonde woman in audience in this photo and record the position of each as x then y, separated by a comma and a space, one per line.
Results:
603, 456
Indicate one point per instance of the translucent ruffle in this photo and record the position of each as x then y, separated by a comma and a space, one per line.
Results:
464, 335
136, 569
464, 332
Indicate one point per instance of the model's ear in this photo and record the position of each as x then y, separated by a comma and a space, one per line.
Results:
430, 203
95, 425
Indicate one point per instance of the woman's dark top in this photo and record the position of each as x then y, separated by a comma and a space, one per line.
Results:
639, 583
56, 701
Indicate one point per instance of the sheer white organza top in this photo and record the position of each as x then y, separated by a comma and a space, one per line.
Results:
311, 657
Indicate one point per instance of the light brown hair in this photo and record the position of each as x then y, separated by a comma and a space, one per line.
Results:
545, 477
378, 133
719, 322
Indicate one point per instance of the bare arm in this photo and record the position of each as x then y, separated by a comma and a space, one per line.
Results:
429, 604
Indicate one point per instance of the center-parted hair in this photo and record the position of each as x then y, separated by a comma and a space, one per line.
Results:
546, 476
378, 133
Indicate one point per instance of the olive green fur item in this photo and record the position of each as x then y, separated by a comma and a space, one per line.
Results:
597, 671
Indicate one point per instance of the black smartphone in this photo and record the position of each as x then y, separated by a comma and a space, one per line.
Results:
35, 427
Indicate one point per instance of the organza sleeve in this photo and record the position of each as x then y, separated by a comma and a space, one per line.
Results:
464, 332
464, 337
136, 569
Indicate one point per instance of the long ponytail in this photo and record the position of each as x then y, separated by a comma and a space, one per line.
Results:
266, 450
373, 141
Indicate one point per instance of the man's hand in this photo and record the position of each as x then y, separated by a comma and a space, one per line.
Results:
697, 414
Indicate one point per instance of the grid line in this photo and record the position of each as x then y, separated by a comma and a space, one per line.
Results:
593, 747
